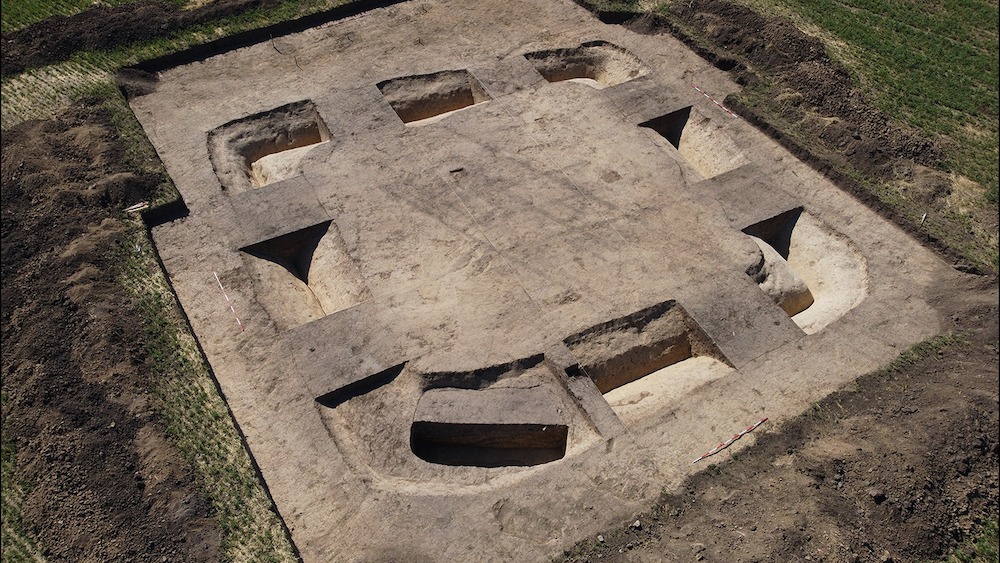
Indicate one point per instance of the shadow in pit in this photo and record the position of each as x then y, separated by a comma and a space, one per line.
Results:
488, 445
363, 386
421, 98
599, 64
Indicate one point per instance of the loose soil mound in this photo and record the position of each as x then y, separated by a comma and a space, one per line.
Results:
106, 485
805, 81
57, 38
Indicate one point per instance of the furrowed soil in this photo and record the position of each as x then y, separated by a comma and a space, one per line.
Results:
901, 466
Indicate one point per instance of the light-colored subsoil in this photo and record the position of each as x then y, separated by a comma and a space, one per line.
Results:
476, 249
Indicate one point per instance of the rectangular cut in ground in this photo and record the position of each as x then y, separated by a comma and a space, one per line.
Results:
423, 97
266, 147
622, 350
504, 230
488, 427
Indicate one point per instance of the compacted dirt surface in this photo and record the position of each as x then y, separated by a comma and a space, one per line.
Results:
105, 484
900, 466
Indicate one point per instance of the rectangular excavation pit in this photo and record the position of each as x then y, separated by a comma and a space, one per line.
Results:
266, 147
599, 64
424, 98
814, 274
494, 426
304, 275
488, 445
624, 350
701, 143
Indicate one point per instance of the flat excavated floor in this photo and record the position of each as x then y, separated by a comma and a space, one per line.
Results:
501, 272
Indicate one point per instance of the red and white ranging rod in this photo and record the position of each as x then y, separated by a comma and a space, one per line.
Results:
730, 441
724, 108
228, 301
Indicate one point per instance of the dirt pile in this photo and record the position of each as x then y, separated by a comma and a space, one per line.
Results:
103, 27
806, 82
105, 483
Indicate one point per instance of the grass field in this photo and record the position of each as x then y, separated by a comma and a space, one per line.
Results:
197, 417
18, 14
983, 549
40, 93
932, 65
929, 65
17, 545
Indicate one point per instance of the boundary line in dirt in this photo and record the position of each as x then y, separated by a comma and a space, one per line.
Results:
730, 441
711, 99
203, 51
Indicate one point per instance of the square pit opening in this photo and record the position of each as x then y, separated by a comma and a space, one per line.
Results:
425, 98
620, 352
267, 147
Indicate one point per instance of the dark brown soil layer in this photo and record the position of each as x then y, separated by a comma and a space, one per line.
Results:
105, 483
57, 38
752, 46
900, 466
806, 101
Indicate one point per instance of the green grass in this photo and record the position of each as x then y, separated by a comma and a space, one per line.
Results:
198, 420
18, 544
984, 548
932, 65
957, 230
40, 93
197, 417
18, 14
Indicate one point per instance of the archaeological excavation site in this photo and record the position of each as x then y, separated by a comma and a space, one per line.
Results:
476, 291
